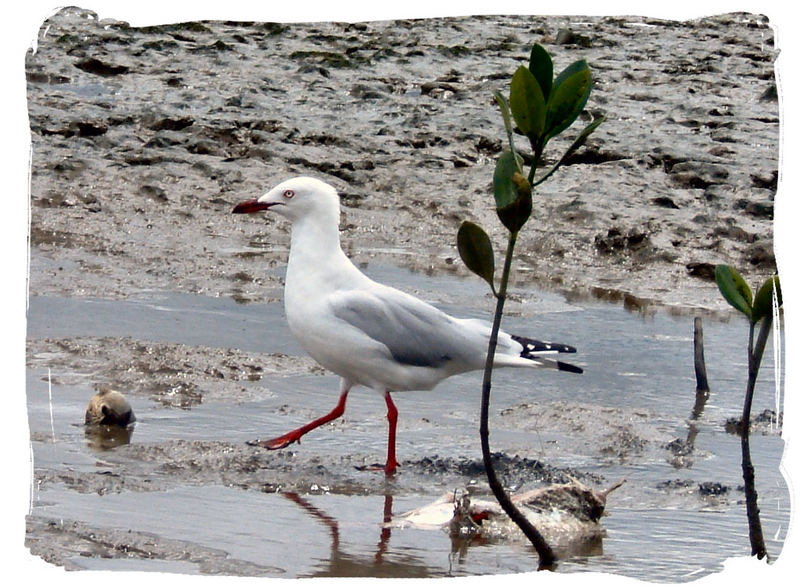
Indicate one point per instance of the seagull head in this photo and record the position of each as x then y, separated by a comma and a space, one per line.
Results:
296, 199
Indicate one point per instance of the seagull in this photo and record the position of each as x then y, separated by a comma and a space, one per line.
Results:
367, 333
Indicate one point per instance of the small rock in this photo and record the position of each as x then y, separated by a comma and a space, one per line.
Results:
109, 407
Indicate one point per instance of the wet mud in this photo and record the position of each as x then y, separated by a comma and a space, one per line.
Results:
145, 138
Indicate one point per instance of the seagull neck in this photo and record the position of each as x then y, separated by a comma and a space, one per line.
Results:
315, 243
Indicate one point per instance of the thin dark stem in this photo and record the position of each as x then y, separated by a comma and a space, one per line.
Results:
699, 358
537, 155
754, 355
552, 170
546, 555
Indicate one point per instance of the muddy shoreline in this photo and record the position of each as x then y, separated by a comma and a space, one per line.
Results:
145, 138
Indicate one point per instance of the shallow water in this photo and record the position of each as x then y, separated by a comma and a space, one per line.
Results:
632, 361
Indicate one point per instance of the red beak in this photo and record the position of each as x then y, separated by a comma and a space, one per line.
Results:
250, 206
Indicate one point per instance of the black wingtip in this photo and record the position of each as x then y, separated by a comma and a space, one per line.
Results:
531, 347
568, 367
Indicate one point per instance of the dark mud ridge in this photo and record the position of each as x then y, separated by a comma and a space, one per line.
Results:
161, 466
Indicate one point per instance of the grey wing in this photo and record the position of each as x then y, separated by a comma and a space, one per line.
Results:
414, 332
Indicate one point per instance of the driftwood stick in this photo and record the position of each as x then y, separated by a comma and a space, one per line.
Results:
699, 358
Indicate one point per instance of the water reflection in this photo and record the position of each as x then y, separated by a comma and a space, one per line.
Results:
682, 450
376, 564
105, 437
383, 561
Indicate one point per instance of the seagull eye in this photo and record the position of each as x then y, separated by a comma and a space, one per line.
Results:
288, 194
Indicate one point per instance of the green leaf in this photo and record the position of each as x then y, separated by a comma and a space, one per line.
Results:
569, 95
512, 192
506, 112
505, 190
527, 103
475, 249
504, 109
541, 66
762, 304
734, 289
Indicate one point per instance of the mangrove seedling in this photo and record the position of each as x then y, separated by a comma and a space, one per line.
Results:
541, 107
758, 309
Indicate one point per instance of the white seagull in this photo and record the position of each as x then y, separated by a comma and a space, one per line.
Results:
368, 333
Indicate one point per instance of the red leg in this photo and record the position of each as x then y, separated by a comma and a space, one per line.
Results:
391, 460
391, 415
294, 436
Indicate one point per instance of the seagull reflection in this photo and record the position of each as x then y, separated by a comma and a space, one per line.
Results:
380, 563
